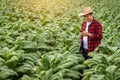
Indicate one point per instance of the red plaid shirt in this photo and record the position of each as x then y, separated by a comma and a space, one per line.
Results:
95, 29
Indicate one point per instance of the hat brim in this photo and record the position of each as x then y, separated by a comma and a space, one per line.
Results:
82, 14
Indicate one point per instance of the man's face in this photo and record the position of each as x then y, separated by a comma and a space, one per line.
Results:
88, 17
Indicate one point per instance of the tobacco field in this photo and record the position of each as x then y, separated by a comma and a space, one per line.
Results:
39, 40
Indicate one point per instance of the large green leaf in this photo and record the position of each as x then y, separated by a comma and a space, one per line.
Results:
78, 67
97, 77
26, 68
29, 45
13, 60
46, 75
26, 77
4, 74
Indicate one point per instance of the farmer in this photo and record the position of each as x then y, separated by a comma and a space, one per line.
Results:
91, 32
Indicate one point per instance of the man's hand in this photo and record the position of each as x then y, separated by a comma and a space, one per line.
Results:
84, 33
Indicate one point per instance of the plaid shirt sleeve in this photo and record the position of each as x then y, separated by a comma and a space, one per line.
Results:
98, 31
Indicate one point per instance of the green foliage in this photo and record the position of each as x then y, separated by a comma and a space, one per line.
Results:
39, 40
103, 65
59, 66
6, 73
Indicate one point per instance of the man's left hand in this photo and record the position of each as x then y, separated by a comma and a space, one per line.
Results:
84, 33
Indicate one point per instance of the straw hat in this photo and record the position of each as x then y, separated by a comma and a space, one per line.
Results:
86, 10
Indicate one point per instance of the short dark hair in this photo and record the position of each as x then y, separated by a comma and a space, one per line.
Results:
91, 13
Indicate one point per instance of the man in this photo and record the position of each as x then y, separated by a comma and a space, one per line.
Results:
91, 32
